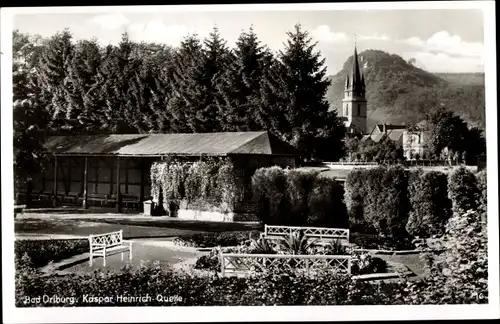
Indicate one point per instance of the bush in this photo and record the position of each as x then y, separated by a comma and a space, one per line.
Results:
386, 203
326, 205
41, 252
269, 192
365, 263
430, 205
215, 239
460, 273
210, 261
463, 190
299, 187
354, 188
481, 184
298, 198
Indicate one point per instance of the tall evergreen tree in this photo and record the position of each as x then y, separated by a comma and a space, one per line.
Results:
187, 90
239, 87
54, 67
117, 70
82, 77
295, 99
215, 59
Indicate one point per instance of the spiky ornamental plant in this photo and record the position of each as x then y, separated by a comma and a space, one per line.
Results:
261, 246
297, 243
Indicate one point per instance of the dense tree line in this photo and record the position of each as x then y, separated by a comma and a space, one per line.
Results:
63, 86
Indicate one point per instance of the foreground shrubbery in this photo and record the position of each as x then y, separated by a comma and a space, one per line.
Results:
184, 289
298, 198
215, 239
460, 273
41, 252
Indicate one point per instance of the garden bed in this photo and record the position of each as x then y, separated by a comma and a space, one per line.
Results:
208, 240
41, 252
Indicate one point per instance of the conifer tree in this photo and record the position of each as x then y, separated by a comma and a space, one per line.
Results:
215, 59
295, 99
239, 87
54, 63
187, 91
81, 78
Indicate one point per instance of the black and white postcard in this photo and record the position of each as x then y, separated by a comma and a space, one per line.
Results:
169, 163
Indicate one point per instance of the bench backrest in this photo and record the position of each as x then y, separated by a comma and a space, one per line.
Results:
315, 232
109, 239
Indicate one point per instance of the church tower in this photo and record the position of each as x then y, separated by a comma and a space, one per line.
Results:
354, 102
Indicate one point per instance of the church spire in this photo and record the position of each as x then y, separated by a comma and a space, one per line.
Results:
355, 79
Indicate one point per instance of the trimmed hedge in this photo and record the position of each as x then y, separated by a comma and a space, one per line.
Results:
41, 252
354, 194
269, 192
298, 198
377, 200
430, 205
463, 190
326, 206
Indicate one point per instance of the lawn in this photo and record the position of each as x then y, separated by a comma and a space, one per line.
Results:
77, 227
141, 252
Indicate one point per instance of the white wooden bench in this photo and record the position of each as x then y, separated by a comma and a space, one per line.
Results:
109, 244
18, 209
324, 234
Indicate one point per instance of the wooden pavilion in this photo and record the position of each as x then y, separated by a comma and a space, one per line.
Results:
114, 170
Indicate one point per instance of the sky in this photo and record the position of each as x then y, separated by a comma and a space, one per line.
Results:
440, 40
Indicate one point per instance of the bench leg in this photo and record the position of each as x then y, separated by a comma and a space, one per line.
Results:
130, 253
104, 260
90, 262
122, 255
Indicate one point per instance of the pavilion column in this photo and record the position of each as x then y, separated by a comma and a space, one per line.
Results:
118, 198
55, 181
142, 164
85, 183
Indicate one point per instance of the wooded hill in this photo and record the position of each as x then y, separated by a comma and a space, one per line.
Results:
399, 92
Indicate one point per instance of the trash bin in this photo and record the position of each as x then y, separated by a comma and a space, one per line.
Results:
147, 207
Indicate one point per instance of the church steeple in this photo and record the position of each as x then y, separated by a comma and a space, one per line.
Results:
354, 105
355, 80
